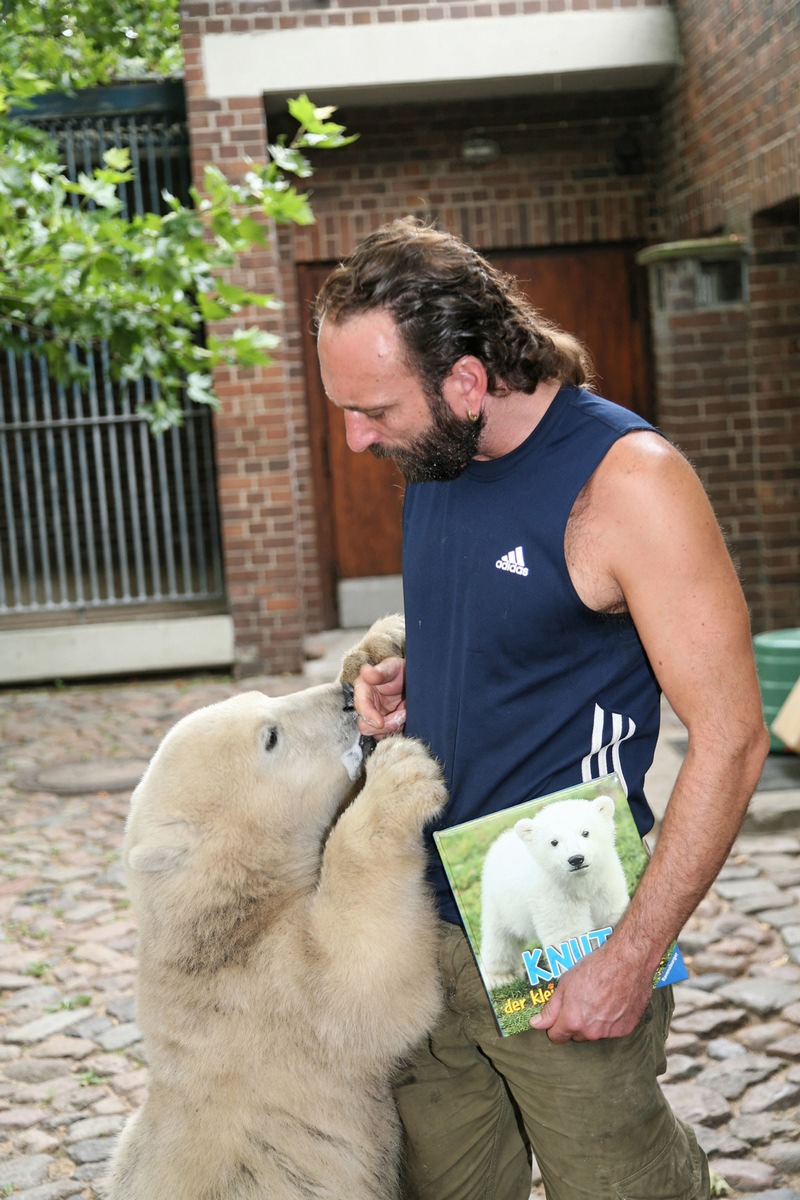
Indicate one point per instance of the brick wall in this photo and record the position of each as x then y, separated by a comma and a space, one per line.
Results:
557, 180
250, 16
715, 150
727, 380
261, 463
732, 114
706, 402
775, 367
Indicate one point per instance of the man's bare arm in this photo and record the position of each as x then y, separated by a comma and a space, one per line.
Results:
657, 549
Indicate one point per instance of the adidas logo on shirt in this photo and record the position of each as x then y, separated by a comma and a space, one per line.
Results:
514, 561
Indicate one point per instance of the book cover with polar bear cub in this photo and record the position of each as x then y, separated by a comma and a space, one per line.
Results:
542, 884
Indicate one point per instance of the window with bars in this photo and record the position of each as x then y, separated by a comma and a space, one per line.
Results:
95, 513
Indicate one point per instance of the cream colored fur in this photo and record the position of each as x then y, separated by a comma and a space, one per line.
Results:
286, 952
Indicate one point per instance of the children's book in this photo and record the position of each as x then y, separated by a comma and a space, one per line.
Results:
542, 884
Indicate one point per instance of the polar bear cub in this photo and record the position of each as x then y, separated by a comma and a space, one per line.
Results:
287, 951
554, 876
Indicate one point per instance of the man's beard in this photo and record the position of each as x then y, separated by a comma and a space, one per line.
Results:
442, 452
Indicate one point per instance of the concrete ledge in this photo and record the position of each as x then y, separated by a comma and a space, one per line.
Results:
446, 59
362, 601
704, 249
115, 648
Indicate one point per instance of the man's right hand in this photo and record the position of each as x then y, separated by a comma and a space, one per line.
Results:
379, 698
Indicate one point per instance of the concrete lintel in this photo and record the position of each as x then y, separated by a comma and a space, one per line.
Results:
423, 60
702, 249
115, 648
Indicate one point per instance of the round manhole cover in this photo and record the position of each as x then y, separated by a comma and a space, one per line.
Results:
71, 778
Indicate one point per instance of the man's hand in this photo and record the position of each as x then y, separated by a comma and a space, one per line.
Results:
600, 997
379, 698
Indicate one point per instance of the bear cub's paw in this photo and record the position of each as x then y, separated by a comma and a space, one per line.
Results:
496, 979
385, 639
406, 776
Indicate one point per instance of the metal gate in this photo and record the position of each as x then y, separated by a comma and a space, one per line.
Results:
96, 515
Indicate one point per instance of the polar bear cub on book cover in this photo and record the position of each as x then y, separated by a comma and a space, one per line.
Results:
287, 949
552, 877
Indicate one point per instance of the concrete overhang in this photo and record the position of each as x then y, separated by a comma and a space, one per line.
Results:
422, 61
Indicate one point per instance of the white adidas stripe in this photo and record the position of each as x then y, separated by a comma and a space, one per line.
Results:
595, 764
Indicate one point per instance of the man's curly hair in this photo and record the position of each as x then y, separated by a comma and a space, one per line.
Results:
448, 301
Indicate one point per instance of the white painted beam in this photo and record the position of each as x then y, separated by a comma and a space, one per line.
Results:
376, 63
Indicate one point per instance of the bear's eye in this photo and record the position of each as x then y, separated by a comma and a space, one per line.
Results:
585, 833
270, 738
554, 842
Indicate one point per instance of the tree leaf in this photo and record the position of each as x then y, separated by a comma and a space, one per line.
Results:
74, 277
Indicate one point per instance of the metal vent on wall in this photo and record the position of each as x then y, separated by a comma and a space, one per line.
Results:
719, 282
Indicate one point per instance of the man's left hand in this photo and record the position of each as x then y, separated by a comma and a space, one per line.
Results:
600, 997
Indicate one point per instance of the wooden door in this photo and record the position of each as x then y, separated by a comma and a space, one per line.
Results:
358, 498
597, 293
594, 292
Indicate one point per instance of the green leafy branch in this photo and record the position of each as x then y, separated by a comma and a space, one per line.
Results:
80, 275
60, 45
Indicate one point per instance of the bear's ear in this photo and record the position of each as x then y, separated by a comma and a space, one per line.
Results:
154, 857
604, 805
524, 828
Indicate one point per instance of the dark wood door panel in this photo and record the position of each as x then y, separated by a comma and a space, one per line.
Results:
358, 498
593, 291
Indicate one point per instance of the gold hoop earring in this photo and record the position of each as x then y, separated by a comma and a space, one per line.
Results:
473, 416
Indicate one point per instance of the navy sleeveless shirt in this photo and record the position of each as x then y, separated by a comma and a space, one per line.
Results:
516, 686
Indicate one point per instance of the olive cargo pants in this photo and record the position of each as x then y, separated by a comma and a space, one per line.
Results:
593, 1112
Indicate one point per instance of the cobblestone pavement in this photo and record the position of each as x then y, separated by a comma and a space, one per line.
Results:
71, 1062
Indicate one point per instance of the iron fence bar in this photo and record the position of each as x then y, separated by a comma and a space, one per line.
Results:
133, 496
152, 163
5, 512
99, 130
184, 543
24, 492
37, 485
85, 495
145, 442
194, 482
70, 499
69, 149
86, 142
116, 129
133, 146
166, 514
100, 483
166, 159
213, 517
112, 435
55, 498
13, 548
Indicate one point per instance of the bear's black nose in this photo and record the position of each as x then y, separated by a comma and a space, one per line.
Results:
576, 862
367, 745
